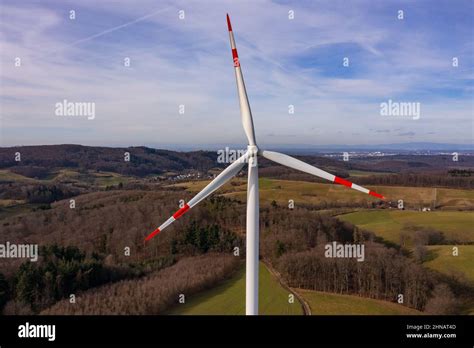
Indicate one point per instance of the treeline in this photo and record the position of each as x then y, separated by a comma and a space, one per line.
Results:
46, 194
384, 274
32, 171
155, 293
37, 193
403, 179
418, 180
283, 230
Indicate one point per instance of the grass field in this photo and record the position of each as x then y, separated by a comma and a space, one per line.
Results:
323, 303
388, 224
109, 179
442, 260
229, 298
315, 193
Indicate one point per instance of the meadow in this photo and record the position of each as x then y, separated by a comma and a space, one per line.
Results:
228, 298
323, 303
389, 224
441, 259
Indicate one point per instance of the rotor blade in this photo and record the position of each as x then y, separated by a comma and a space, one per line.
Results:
220, 180
304, 167
245, 112
252, 240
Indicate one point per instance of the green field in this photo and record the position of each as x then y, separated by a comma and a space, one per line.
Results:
323, 303
229, 298
109, 179
281, 191
388, 224
442, 260
315, 193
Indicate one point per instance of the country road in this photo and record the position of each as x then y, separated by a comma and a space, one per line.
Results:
277, 275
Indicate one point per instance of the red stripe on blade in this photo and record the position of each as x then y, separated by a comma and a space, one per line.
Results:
341, 181
180, 212
152, 234
229, 26
375, 194
234, 53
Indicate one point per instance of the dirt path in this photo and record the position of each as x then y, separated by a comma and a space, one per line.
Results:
277, 275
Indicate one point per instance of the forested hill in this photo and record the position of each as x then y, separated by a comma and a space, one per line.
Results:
38, 161
143, 160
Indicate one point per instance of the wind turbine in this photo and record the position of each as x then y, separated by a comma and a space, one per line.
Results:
252, 234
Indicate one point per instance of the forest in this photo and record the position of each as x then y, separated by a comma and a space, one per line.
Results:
104, 223
31, 287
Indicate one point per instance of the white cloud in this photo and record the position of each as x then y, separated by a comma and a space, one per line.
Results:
188, 62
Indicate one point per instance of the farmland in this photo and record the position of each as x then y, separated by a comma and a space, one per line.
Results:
323, 303
442, 260
389, 224
303, 192
229, 298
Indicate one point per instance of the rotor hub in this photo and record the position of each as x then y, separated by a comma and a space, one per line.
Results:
253, 150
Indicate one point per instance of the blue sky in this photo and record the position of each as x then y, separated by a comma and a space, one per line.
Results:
188, 61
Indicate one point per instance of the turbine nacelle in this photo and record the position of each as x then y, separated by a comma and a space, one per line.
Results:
253, 150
